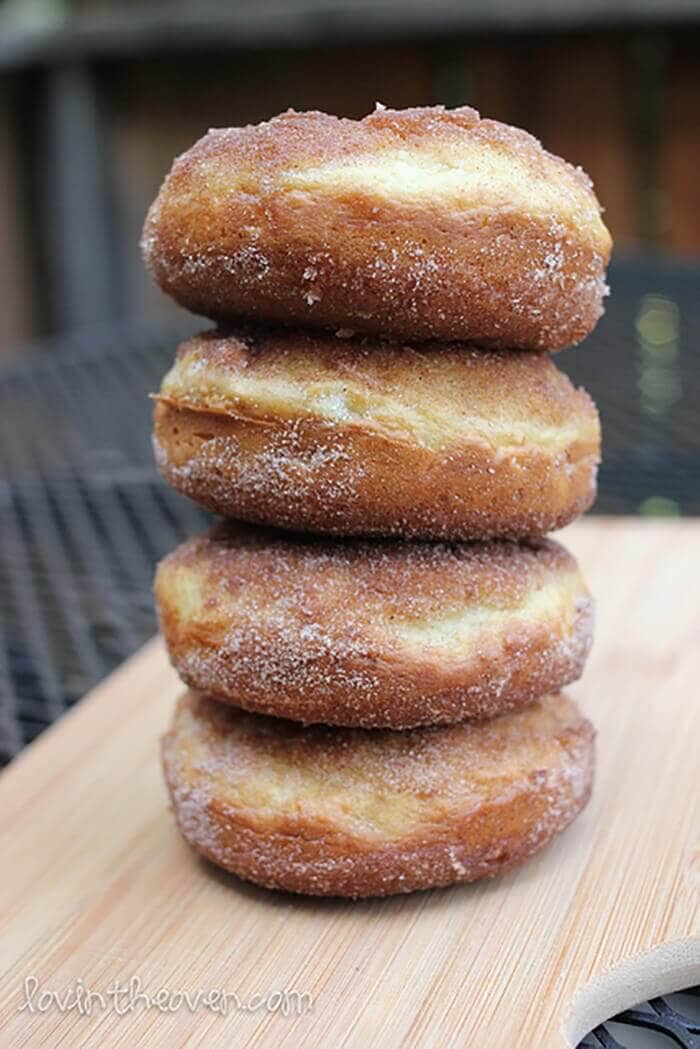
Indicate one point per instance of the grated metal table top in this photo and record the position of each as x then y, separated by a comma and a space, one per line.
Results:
84, 516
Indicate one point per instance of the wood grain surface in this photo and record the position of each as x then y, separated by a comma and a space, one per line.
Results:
98, 887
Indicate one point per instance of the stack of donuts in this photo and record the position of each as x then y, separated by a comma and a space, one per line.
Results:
376, 636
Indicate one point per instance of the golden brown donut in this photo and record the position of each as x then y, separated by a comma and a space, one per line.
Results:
416, 223
372, 633
306, 432
347, 812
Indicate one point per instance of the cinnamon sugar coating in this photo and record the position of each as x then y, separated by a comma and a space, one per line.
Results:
430, 441
374, 634
419, 223
329, 811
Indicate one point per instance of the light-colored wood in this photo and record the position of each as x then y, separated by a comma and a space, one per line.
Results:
96, 884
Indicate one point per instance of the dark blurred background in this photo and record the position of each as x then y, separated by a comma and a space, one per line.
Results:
95, 100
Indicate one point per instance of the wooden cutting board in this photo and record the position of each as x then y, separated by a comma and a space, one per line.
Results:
97, 886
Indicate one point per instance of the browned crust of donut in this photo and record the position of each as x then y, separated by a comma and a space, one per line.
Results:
374, 813
309, 478
228, 235
364, 633
373, 475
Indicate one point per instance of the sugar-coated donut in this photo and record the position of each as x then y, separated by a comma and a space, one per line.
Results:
372, 633
349, 812
307, 432
418, 223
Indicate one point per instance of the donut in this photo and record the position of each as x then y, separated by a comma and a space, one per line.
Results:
372, 633
418, 223
349, 812
434, 441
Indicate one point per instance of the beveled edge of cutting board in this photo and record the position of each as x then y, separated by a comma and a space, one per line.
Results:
663, 970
